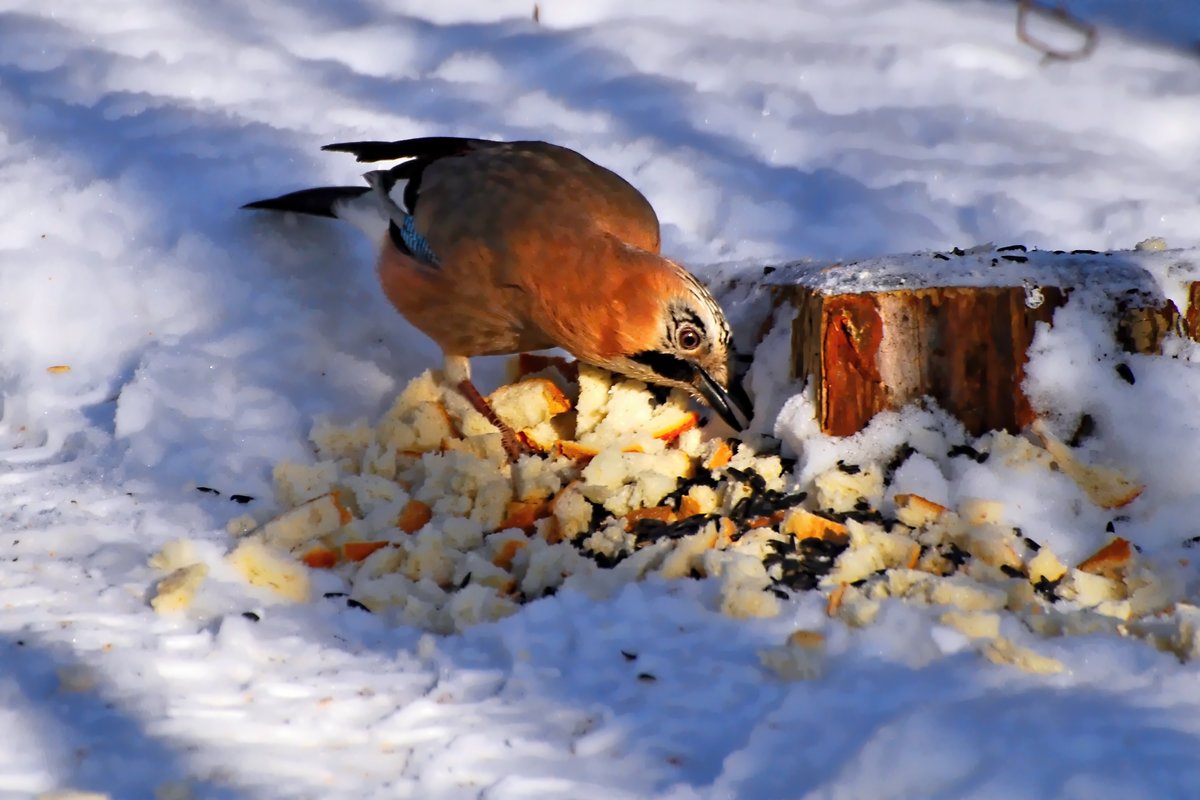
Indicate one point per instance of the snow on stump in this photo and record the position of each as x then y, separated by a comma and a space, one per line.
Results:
875, 335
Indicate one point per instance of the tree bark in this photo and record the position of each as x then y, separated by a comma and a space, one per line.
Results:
964, 347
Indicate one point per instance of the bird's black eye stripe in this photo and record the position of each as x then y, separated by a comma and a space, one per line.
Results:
666, 365
685, 316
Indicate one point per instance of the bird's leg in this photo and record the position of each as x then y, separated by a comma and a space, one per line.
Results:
458, 372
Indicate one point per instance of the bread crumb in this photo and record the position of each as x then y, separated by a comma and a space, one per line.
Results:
1045, 566
1105, 486
795, 661
175, 593
973, 624
270, 568
174, 554
916, 512
309, 520
298, 483
1004, 651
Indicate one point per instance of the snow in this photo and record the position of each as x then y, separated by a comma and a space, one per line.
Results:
203, 342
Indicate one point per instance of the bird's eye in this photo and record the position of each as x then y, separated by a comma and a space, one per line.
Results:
689, 338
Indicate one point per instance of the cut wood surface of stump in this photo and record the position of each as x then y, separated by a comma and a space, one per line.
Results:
956, 327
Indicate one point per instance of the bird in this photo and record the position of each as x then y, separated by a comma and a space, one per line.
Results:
502, 247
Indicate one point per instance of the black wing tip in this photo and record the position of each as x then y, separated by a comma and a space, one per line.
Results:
351, 147
265, 205
317, 202
425, 146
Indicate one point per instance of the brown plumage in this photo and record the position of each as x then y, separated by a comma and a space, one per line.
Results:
505, 247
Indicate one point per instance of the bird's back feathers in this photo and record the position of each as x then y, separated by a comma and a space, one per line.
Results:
506, 215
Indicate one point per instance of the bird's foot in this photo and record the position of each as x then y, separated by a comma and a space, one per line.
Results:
513, 444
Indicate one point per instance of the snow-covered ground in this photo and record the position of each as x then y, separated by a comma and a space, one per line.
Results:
203, 341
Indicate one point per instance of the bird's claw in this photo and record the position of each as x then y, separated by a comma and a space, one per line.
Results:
514, 444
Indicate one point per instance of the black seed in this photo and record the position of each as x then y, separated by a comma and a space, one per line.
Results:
329, 595
695, 574
768, 270
862, 505
788, 464
902, 455
995, 262
1126, 373
954, 554
789, 500
352, 603
648, 526
250, 615
770, 445
941, 256
1085, 252
1192, 542
740, 509
780, 593
964, 450
801, 581
660, 393
1058, 252
550, 591
1031, 544
646, 677
1083, 431
1017, 259
208, 490
1011, 247
604, 560
599, 515
814, 548
241, 498
465, 580
1047, 588
760, 506
703, 477
958, 251
689, 525
771, 559
1011, 571
849, 469
871, 515
757, 482
1111, 527
629, 656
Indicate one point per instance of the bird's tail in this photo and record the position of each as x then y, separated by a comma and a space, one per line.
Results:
324, 201
354, 204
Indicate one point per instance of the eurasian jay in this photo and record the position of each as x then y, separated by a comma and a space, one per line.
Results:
493, 248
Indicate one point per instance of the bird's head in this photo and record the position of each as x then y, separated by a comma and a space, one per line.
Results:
684, 342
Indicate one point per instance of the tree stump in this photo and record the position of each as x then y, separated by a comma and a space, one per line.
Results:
877, 335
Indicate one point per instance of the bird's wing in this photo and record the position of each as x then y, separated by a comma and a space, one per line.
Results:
479, 190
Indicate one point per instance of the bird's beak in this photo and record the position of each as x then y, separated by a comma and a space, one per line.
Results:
731, 405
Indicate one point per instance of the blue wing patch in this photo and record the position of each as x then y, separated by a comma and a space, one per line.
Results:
415, 243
